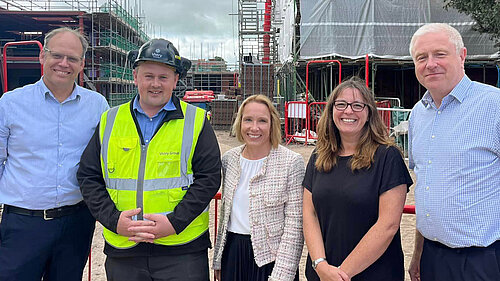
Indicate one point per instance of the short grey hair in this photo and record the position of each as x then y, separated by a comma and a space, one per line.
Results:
52, 33
453, 34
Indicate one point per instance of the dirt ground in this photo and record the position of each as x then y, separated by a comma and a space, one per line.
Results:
226, 142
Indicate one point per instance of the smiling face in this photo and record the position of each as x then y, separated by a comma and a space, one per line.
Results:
350, 123
256, 126
60, 68
438, 66
155, 82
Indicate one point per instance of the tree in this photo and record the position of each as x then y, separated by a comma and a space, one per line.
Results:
486, 13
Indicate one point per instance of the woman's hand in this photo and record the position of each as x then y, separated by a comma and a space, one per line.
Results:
217, 274
328, 272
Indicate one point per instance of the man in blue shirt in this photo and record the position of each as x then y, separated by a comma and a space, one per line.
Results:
46, 229
454, 146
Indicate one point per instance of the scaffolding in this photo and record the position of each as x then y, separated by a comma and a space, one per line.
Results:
213, 75
115, 32
257, 51
112, 28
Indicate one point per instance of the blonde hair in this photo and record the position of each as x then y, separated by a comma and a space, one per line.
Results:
373, 134
275, 134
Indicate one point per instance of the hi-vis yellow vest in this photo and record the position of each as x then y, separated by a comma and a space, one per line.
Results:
154, 176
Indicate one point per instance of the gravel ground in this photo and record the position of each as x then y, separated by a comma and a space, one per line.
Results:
226, 142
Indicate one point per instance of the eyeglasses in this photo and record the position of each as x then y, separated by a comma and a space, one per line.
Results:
59, 56
355, 106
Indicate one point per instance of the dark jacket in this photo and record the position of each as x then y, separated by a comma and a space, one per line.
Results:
206, 167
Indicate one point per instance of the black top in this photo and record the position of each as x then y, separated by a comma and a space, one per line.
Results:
206, 167
347, 207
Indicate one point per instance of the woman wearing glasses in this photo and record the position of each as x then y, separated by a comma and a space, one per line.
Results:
355, 189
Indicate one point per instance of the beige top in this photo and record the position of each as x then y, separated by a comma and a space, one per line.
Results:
275, 209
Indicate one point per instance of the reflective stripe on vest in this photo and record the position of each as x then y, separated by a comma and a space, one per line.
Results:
153, 195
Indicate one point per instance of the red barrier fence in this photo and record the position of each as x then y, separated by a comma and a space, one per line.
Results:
295, 120
4, 62
315, 111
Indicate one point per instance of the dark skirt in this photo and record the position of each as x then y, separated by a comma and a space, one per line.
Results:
238, 262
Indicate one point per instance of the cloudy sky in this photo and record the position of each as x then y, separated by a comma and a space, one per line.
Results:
198, 28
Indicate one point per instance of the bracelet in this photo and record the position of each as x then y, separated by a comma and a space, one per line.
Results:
316, 262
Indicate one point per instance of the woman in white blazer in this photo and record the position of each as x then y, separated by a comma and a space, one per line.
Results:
260, 235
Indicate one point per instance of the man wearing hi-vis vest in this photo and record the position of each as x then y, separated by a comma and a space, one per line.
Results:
148, 175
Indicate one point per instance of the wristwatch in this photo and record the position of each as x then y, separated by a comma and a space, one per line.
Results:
316, 262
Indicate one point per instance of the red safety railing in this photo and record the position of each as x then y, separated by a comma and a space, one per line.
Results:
307, 87
409, 209
385, 115
315, 111
4, 62
367, 59
295, 120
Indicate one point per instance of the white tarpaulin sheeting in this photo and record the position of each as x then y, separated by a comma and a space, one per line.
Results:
285, 15
381, 28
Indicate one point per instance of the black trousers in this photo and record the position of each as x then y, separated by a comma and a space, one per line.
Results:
187, 267
238, 261
56, 249
440, 262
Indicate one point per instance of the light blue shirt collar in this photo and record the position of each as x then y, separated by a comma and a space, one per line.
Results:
47, 92
169, 106
459, 92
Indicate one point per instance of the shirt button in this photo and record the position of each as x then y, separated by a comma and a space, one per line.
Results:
439, 112
151, 119
146, 141
60, 165
426, 188
59, 186
433, 136
60, 144
430, 161
427, 215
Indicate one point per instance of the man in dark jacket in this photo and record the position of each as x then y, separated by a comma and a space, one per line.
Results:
148, 175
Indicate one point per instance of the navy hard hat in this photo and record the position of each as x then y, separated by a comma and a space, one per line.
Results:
161, 51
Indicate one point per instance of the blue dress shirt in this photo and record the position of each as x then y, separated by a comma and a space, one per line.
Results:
41, 141
455, 153
148, 124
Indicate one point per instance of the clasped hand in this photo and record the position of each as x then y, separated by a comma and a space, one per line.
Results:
327, 272
153, 227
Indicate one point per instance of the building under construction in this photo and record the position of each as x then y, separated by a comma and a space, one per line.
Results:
213, 75
113, 28
257, 52
278, 39
368, 38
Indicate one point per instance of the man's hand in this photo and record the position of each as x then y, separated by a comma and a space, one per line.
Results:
414, 269
160, 227
125, 222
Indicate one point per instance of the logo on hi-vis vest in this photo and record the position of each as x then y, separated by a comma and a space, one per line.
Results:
170, 153
111, 170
